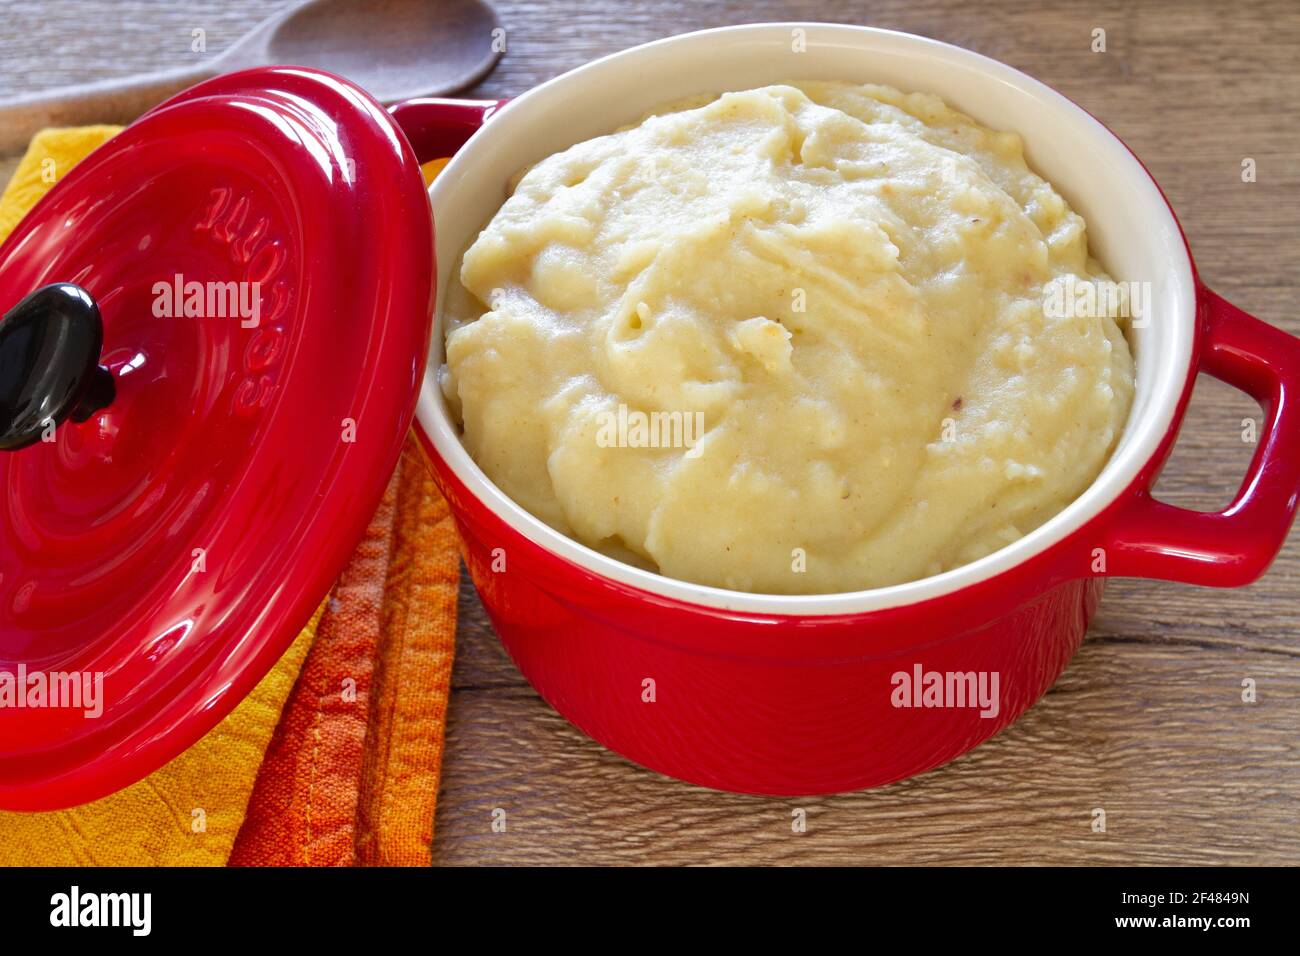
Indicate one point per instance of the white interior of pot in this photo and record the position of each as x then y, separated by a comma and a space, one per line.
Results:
1131, 230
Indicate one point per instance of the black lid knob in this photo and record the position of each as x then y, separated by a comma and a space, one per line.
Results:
49, 364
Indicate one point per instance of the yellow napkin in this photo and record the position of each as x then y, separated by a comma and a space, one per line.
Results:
190, 811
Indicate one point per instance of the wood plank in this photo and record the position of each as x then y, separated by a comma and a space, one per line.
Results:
1147, 722
1153, 733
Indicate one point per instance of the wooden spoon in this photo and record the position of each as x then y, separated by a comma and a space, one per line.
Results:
394, 49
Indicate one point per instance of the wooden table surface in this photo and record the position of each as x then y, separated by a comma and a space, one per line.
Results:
1148, 721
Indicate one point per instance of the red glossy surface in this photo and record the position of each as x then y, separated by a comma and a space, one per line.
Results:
437, 126
227, 442
799, 705
1233, 547
765, 703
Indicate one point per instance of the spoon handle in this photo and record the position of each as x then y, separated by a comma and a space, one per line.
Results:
108, 101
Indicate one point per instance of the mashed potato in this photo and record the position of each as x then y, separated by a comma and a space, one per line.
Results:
789, 340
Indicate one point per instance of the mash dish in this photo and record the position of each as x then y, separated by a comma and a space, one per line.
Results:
787, 340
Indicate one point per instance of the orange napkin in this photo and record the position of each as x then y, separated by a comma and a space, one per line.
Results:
334, 758
344, 784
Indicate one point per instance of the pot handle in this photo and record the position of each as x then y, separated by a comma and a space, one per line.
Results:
1152, 539
437, 127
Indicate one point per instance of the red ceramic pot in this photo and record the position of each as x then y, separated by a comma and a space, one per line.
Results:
810, 694
190, 514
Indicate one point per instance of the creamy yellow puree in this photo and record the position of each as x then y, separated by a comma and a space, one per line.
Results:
842, 286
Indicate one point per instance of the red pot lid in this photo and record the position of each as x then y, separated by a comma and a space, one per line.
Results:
173, 544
